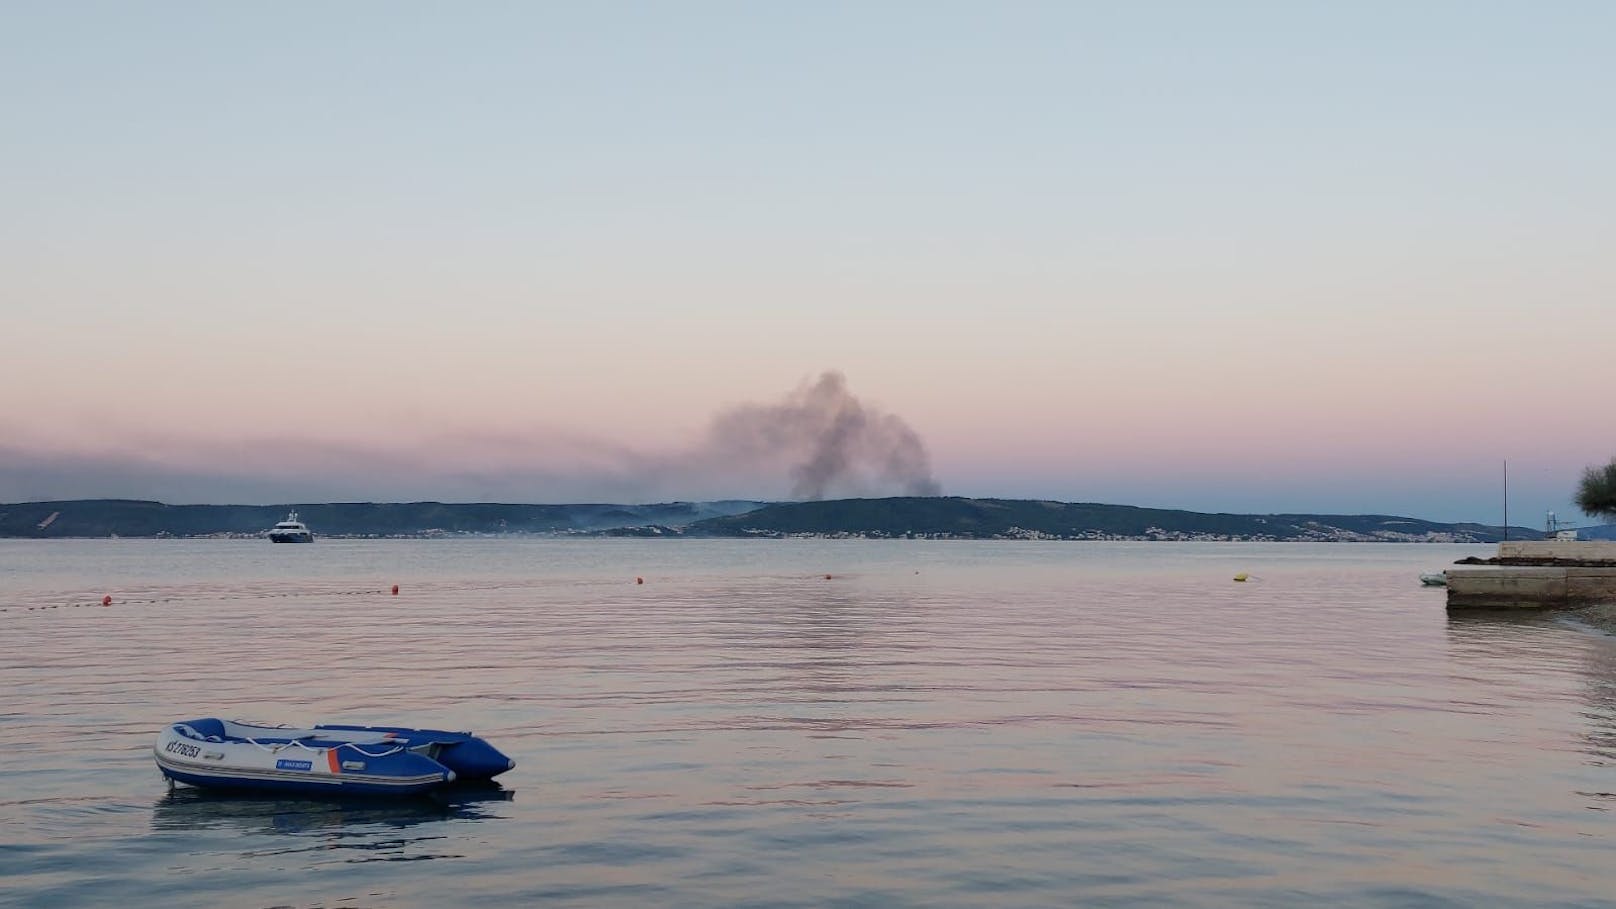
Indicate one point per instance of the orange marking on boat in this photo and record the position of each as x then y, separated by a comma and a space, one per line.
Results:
331, 760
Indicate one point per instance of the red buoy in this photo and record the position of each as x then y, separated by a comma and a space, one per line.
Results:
639, 580
395, 590
106, 600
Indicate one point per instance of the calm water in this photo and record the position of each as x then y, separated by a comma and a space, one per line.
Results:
935, 724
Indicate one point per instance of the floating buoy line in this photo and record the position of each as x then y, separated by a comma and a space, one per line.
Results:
107, 599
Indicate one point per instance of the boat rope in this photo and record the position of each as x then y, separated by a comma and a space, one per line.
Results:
276, 747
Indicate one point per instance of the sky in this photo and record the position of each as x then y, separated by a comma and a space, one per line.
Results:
1244, 257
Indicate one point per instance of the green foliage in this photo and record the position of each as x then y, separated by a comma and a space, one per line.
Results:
1596, 494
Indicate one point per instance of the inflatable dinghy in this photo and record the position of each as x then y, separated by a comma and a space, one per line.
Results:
322, 760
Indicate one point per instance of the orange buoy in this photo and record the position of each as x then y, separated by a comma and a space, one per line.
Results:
395, 590
827, 577
106, 600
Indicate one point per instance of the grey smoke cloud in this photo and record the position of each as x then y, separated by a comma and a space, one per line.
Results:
833, 443
817, 441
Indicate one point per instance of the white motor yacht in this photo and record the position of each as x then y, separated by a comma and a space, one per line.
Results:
291, 530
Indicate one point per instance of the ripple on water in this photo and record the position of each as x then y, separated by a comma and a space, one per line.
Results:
938, 724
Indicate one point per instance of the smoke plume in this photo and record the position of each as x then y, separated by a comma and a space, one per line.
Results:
819, 441
830, 442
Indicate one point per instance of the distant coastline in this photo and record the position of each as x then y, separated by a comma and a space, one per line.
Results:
906, 517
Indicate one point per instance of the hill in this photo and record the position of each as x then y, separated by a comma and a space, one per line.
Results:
130, 518
910, 517
961, 518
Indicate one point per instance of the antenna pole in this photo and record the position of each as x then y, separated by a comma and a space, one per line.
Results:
1506, 499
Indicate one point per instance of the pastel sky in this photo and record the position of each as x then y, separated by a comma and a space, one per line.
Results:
1252, 257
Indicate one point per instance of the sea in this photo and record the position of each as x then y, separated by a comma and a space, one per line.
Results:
811, 723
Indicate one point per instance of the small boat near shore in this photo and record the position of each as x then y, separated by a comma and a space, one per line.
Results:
1434, 579
291, 530
322, 760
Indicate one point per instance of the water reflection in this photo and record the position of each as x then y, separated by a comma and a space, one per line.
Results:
1469, 623
1600, 681
190, 809
1510, 646
1537, 657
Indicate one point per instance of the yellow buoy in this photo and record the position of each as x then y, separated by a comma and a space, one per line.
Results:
1240, 577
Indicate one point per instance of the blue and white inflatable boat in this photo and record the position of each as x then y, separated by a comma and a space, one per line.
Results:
323, 760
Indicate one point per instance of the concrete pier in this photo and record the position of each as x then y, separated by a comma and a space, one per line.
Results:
1536, 574
1569, 550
